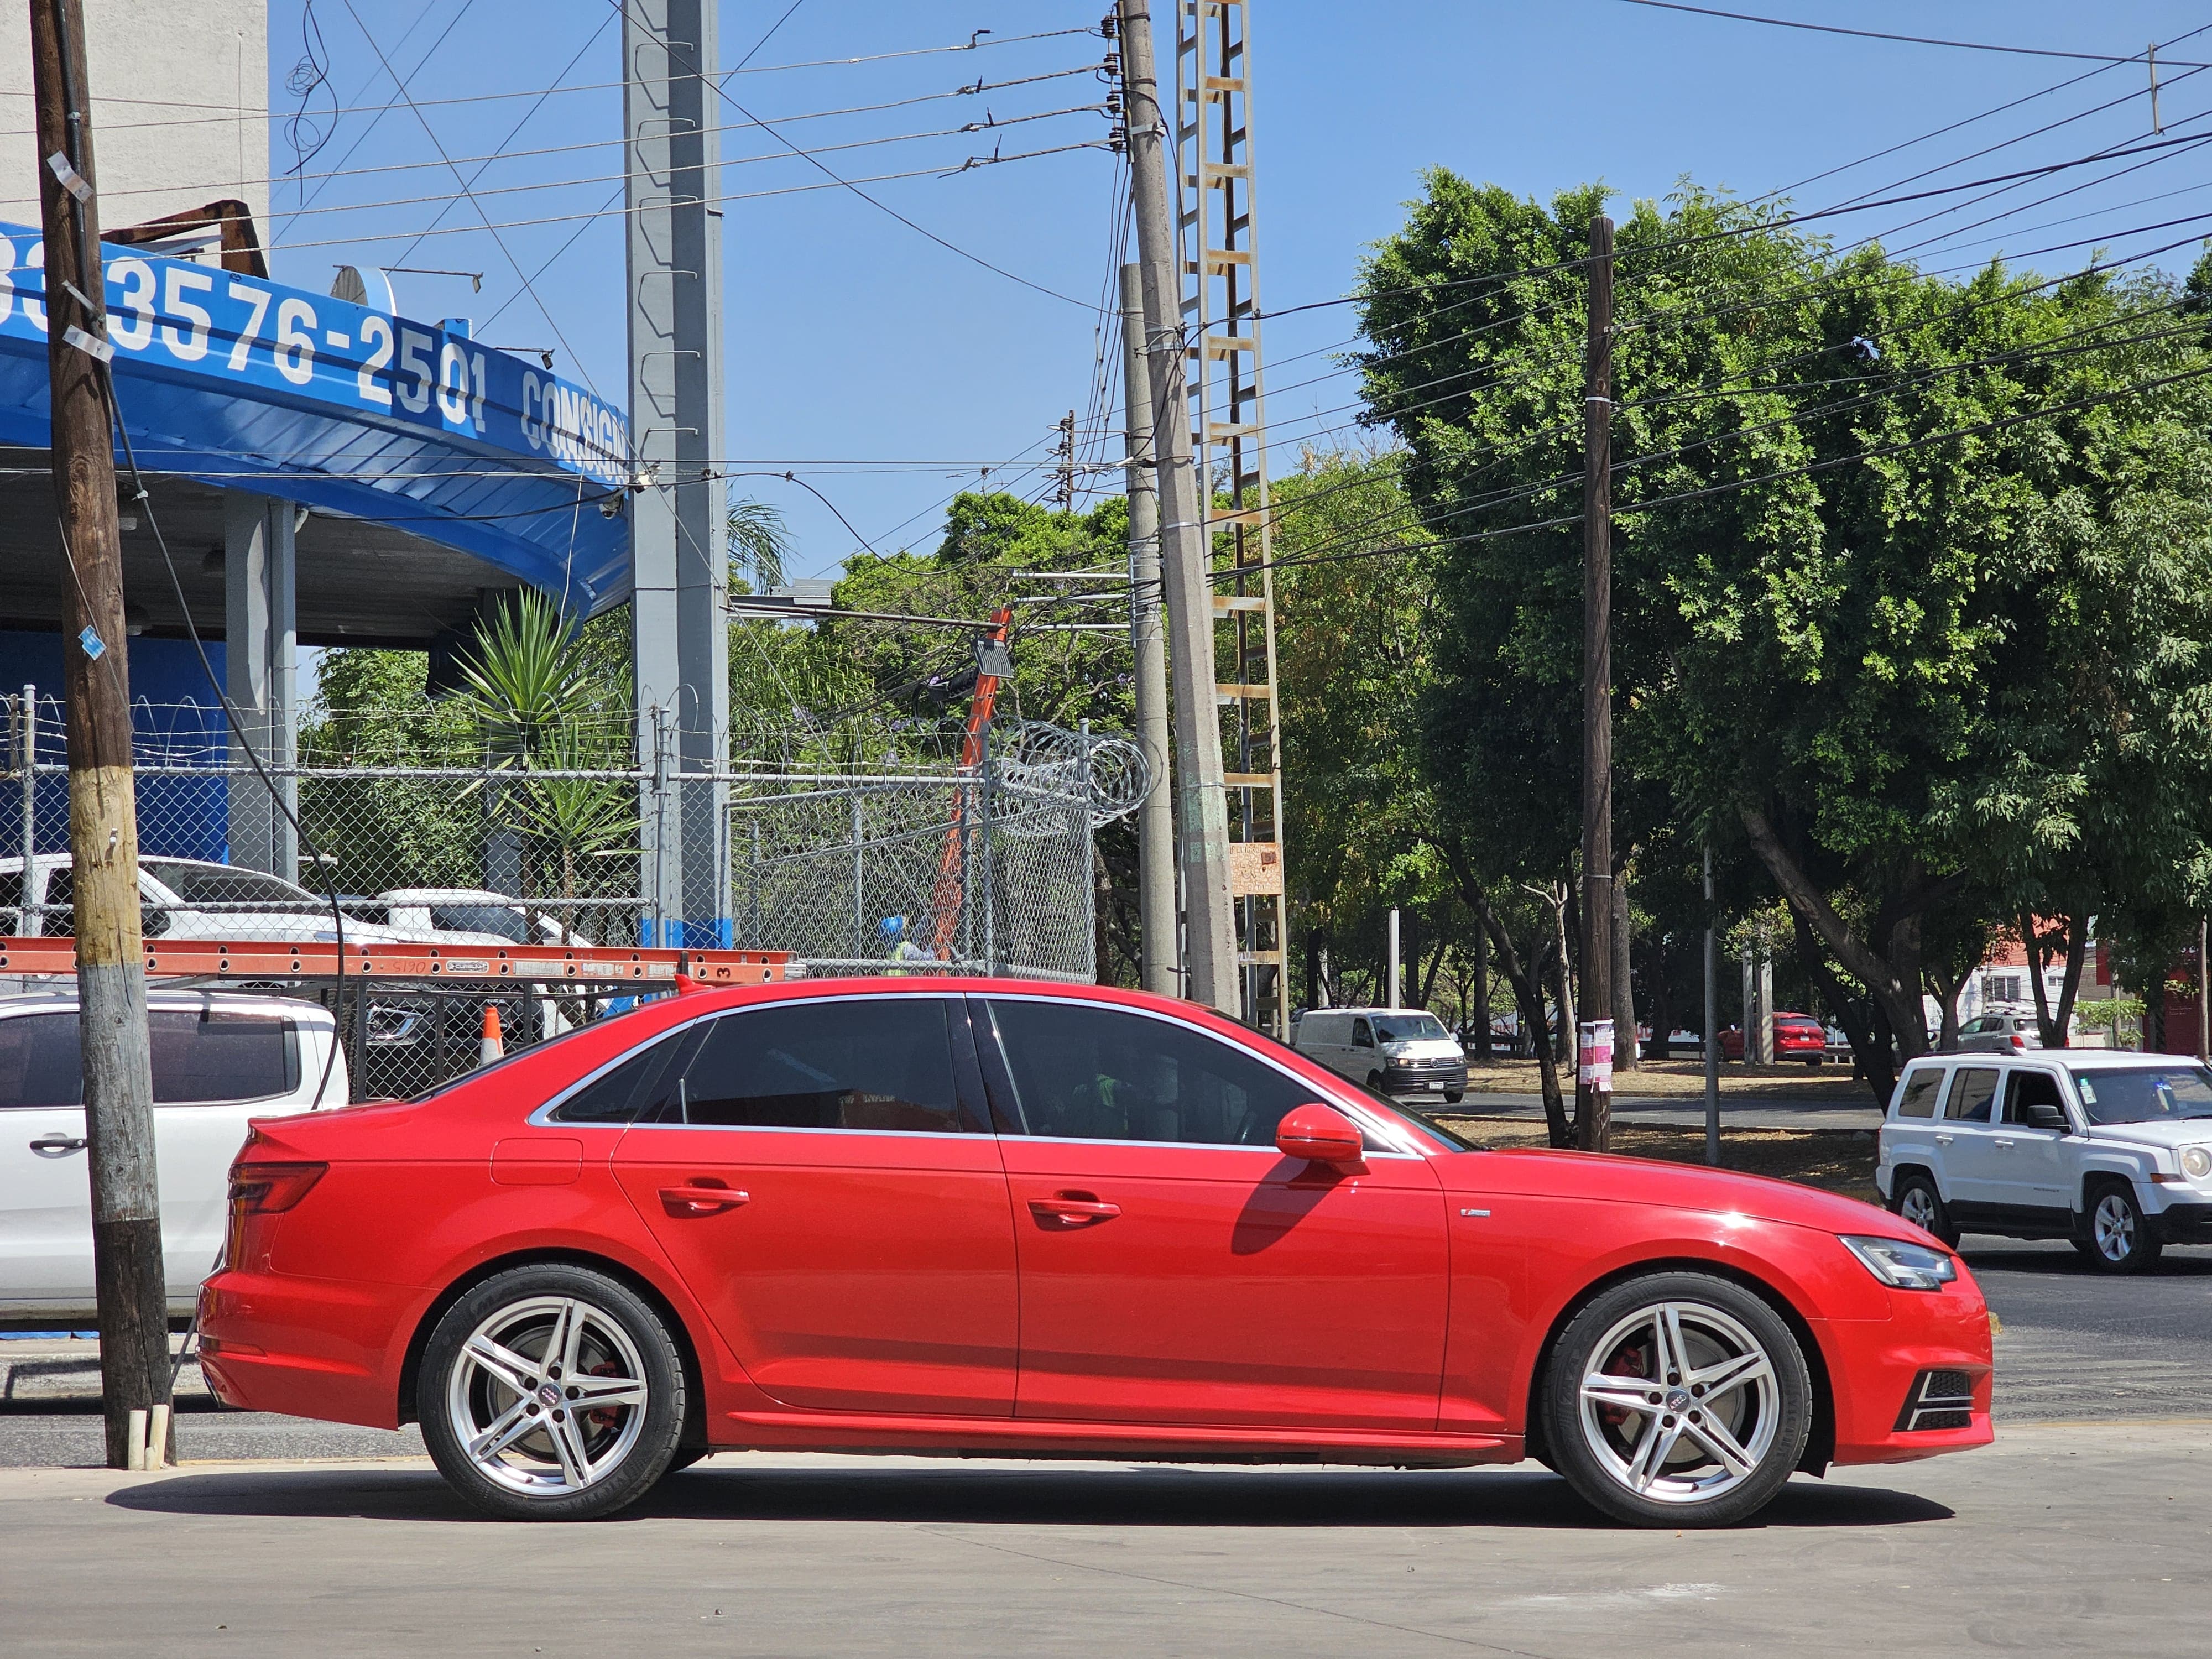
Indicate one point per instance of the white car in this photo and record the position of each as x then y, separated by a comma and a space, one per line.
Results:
220, 1058
2111, 1150
1398, 1052
186, 898
474, 913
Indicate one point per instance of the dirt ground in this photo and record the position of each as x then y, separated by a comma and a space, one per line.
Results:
1686, 1079
1839, 1160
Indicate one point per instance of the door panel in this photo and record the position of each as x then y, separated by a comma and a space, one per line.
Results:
1967, 1154
2030, 1165
864, 1262
1175, 1267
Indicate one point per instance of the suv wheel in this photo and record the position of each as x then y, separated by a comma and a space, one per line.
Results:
2116, 1237
1677, 1399
1916, 1201
552, 1393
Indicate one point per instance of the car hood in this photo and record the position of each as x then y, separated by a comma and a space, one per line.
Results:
1424, 1048
1613, 1179
2179, 1132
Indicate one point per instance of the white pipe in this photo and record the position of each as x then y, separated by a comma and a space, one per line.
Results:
1396, 994
157, 1439
136, 1457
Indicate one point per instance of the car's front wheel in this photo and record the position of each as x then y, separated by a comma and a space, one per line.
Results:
1677, 1399
1918, 1201
2116, 1236
552, 1393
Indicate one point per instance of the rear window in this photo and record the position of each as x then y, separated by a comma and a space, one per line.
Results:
201, 1057
1970, 1095
479, 919
1920, 1088
220, 884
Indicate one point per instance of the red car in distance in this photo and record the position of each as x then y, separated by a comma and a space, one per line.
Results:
1796, 1036
1000, 1218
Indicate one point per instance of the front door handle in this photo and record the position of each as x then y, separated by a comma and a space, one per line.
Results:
2003, 1145
1942, 1140
1073, 1210
58, 1146
694, 1199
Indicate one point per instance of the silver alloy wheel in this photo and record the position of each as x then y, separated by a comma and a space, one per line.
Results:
1918, 1206
2112, 1226
1679, 1402
547, 1396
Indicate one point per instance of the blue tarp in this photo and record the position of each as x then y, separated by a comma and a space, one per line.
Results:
249, 385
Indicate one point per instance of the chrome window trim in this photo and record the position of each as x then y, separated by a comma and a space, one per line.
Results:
1358, 1111
540, 1118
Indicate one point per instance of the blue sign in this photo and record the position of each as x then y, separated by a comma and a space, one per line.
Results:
249, 385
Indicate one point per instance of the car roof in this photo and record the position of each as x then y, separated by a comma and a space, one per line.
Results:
1371, 1011
2095, 1059
239, 1002
447, 896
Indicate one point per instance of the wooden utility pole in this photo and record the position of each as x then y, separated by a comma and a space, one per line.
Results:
1594, 1105
1202, 816
111, 963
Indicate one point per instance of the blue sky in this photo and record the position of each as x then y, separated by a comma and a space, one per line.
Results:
887, 372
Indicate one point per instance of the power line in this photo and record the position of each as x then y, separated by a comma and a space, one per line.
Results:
1908, 39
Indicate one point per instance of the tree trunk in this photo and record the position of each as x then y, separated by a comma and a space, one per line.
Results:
1946, 993
1894, 984
1862, 1021
1480, 1018
1526, 979
1626, 1050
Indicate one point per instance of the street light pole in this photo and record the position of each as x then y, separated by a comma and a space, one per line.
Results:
1593, 1095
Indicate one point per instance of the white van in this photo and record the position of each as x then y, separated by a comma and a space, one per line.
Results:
1399, 1052
220, 1058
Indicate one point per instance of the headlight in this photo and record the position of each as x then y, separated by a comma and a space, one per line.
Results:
1901, 1266
2196, 1162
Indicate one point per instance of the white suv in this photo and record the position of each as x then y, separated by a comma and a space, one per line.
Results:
220, 1060
2111, 1150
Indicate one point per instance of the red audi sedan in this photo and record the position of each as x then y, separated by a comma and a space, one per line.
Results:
994, 1218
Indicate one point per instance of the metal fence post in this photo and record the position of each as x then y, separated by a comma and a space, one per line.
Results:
860, 936
755, 939
990, 917
1085, 874
30, 719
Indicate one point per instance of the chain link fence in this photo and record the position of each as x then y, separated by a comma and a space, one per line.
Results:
928, 867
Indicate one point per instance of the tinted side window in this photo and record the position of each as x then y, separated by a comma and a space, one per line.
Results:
1361, 1036
1920, 1088
1971, 1093
480, 918
2028, 1089
642, 1090
40, 1060
1101, 1074
212, 1054
879, 1063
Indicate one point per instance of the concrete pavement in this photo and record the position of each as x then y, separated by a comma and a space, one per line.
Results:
2060, 1538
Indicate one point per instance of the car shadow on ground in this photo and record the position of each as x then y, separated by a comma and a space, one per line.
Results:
1022, 1496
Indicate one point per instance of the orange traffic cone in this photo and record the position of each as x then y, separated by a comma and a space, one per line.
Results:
490, 1048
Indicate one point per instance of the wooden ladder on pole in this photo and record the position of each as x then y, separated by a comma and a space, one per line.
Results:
1218, 259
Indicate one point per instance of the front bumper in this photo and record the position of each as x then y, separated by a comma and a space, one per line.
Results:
2184, 1223
1424, 1077
1881, 1374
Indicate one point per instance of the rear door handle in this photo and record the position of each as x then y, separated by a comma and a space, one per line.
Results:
694, 1199
2003, 1142
1073, 1210
55, 1146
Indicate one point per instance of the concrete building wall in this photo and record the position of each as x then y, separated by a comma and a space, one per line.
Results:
179, 108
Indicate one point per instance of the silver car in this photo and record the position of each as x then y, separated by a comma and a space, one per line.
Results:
2000, 1034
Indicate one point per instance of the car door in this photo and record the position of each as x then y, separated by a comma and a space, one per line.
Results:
1361, 1060
2031, 1162
864, 1259
46, 1192
1966, 1152
1175, 1267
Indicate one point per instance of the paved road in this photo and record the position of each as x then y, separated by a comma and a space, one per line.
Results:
2079, 1344
2055, 1539
1737, 1111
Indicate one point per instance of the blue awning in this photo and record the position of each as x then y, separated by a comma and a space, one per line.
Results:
248, 385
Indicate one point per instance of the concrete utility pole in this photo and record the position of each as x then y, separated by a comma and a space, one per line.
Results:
1209, 918
1155, 869
1594, 1106
679, 538
110, 960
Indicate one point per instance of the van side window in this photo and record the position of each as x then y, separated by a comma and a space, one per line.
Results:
1971, 1094
1362, 1037
2031, 1089
40, 1060
1920, 1088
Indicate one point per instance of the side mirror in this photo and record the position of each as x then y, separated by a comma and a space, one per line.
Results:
2043, 1116
1321, 1134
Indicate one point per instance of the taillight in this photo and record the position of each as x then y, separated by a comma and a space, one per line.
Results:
2018, 1041
269, 1188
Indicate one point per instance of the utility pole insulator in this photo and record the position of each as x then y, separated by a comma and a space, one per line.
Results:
128, 1273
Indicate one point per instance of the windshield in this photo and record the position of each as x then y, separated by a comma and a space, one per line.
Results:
2154, 1094
218, 883
1408, 1028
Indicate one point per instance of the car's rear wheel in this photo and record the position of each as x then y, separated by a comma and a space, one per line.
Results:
1677, 1399
1916, 1201
552, 1393
2116, 1236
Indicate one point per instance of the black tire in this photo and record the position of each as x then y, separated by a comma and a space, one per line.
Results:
687, 1455
2115, 1235
1817, 1060
1690, 1485
1375, 1083
1452, 1097
601, 1460
1937, 1218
